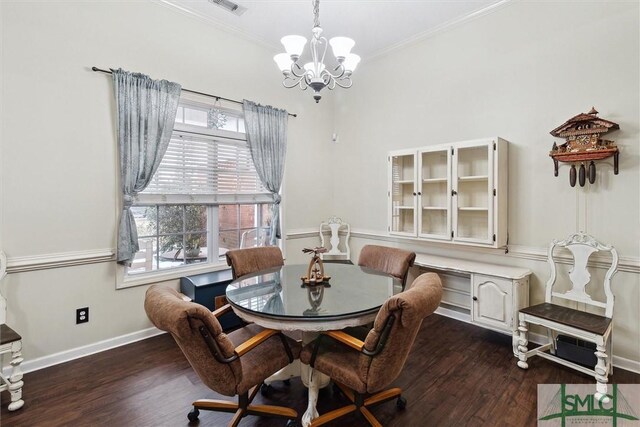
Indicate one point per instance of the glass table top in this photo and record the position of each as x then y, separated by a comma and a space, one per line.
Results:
279, 292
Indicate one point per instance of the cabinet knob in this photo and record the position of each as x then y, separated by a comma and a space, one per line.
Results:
454, 192
419, 193
414, 193
475, 298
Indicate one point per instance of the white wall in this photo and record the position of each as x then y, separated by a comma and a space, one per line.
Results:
59, 157
516, 73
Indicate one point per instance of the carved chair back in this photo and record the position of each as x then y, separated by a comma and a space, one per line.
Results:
335, 225
582, 246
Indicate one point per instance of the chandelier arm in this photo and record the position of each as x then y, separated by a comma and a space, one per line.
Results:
345, 85
293, 82
296, 68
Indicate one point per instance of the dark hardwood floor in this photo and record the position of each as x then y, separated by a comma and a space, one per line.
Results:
457, 374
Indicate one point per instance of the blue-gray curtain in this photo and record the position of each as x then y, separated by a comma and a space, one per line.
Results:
266, 129
146, 112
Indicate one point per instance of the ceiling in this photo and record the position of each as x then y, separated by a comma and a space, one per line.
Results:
376, 25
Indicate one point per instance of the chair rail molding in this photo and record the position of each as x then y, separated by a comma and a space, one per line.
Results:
627, 264
56, 260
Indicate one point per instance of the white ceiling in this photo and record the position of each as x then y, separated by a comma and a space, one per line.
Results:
375, 25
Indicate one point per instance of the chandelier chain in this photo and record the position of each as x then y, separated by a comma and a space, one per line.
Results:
316, 12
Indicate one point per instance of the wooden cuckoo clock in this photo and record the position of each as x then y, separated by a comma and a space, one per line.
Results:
583, 145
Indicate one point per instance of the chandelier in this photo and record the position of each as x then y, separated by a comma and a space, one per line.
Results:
315, 74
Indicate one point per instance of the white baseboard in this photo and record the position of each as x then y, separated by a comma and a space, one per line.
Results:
76, 353
618, 362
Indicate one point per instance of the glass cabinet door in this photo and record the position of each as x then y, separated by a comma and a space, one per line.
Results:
403, 194
472, 193
434, 193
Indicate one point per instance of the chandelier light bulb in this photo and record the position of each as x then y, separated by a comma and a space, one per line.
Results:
284, 62
294, 45
351, 61
341, 47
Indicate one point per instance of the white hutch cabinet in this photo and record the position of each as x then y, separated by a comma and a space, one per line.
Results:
452, 192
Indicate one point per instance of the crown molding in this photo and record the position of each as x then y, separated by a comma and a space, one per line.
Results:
445, 26
218, 23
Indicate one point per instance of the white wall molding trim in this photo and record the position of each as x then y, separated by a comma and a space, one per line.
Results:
57, 260
440, 28
628, 264
78, 352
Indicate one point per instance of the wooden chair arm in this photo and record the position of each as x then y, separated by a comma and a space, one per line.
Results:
254, 341
346, 339
222, 310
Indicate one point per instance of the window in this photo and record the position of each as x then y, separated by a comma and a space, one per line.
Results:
205, 198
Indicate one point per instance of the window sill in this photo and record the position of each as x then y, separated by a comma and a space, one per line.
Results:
163, 276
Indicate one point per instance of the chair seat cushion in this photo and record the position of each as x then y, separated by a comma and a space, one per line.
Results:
339, 362
262, 361
8, 335
567, 316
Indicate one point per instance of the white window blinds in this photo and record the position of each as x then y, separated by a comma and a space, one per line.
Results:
205, 169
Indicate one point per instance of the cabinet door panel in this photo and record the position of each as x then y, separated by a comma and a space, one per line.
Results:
434, 193
402, 193
492, 301
472, 182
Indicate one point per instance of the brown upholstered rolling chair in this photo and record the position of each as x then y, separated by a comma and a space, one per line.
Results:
395, 262
362, 369
233, 364
250, 260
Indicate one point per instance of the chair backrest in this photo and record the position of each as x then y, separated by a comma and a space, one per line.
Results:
335, 225
250, 260
184, 320
582, 246
404, 313
393, 261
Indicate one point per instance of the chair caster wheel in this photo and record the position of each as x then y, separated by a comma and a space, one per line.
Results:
265, 389
401, 403
293, 423
193, 415
286, 382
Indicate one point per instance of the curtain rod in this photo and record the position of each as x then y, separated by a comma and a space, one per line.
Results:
218, 98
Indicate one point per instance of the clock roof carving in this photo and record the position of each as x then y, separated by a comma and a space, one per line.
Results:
584, 124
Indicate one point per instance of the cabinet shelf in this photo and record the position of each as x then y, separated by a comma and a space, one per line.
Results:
404, 181
473, 178
434, 180
434, 208
472, 208
404, 207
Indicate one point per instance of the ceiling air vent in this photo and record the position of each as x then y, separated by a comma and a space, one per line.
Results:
229, 6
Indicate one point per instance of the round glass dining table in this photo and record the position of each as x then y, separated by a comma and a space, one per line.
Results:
277, 299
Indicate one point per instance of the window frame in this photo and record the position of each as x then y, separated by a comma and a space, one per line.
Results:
125, 279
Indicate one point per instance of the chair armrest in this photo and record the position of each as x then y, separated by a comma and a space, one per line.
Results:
222, 310
254, 341
346, 339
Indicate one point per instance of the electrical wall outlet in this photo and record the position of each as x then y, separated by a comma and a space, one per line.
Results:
82, 315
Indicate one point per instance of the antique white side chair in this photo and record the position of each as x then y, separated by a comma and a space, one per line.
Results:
335, 225
576, 323
10, 343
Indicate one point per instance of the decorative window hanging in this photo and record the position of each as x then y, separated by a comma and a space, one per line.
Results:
216, 118
583, 144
